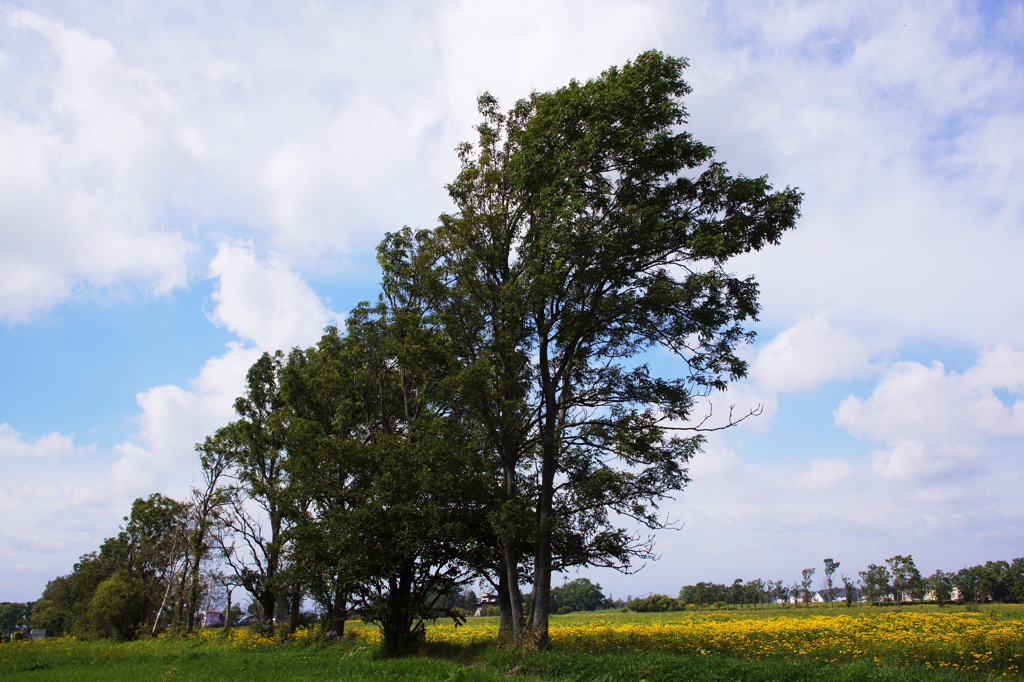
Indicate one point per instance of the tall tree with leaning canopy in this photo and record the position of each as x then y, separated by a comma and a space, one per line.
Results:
590, 228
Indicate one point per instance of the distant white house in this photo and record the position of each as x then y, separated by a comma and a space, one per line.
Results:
818, 597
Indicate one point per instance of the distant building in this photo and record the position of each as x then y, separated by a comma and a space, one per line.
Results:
208, 618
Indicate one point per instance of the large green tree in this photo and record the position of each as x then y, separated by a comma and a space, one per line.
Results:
906, 579
578, 595
590, 228
13, 614
876, 583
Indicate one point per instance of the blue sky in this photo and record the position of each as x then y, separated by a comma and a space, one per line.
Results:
184, 187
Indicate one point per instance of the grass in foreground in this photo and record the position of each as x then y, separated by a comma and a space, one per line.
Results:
864, 644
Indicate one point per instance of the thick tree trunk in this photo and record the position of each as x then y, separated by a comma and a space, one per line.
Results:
509, 559
268, 604
336, 615
515, 594
399, 635
505, 630
540, 607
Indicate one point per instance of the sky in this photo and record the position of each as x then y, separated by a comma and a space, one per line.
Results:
186, 185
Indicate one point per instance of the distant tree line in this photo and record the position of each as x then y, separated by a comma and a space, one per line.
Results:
490, 417
896, 581
141, 577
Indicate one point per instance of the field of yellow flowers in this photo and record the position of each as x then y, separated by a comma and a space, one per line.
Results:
989, 643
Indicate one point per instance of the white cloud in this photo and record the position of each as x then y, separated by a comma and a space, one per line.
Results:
824, 474
265, 302
800, 358
77, 175
173, 420
807, 355
53, 445
935, 422
511, 50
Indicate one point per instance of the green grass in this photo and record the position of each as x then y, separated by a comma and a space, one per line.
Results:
193, 660
185, 660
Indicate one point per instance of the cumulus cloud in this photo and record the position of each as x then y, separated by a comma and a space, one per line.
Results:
53, 445
717, 461
808, 354
77, 174
936, 422
173, 419
265, 302
802, 357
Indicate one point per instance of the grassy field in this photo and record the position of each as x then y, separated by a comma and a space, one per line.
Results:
919, 643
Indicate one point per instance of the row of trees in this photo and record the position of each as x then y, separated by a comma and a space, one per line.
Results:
897, 580
491, 417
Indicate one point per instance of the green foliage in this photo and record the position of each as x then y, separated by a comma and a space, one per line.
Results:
578, 595
851, 593
805, 584
905, 579
941, 585
61, 609
13, 614
830, 569
876, 583
656, 603
143, 556
117, 608
254, 448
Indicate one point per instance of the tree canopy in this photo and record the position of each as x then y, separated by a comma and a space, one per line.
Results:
590, 228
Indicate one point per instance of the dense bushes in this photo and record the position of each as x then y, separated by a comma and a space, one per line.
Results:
655, 603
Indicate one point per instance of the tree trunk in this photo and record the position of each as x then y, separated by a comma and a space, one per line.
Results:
293, 616
509, 560
336, 615
540, 607
399, 635
505, 629
227, 612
